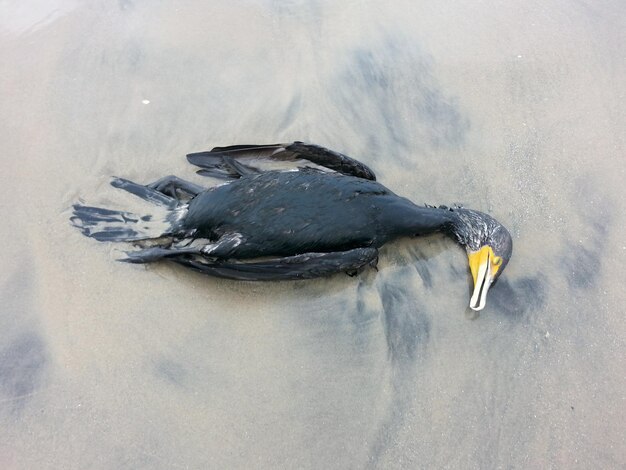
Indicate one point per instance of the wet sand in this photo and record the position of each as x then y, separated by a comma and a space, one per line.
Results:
516, 109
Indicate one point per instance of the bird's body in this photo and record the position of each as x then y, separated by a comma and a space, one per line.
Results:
288, 213
296, 224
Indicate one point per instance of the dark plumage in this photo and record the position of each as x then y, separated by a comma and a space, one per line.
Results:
303, 223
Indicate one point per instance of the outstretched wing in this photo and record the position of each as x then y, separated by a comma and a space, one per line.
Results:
302, 266
228, 162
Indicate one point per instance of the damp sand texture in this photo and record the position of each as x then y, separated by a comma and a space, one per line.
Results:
517, 110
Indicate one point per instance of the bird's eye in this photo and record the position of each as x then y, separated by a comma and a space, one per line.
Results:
497, 261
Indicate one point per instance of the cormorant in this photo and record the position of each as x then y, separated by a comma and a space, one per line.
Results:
325, 216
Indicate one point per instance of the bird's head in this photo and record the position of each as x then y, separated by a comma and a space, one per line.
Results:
489, 247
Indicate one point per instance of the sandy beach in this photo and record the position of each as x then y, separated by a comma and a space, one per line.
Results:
517, 109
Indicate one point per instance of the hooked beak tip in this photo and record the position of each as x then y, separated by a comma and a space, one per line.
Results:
479, 296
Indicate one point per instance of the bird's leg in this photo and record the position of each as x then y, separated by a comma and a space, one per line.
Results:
171, 186
144, 192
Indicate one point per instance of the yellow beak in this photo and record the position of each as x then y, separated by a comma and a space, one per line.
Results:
484, 265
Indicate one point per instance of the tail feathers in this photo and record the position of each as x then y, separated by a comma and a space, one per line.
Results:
108, 225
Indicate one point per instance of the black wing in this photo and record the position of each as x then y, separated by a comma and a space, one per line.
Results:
303, 266
226, 162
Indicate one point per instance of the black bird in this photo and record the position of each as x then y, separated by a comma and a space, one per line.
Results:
326, 215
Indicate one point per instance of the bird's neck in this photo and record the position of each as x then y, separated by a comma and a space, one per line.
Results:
409, 219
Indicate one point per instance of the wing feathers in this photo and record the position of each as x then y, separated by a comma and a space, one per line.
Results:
225, 162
